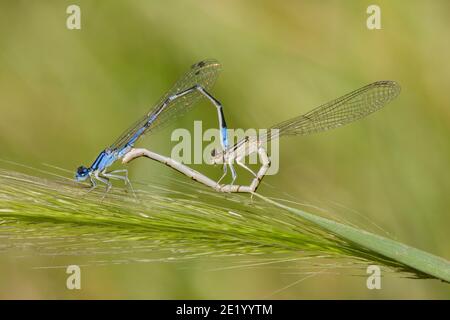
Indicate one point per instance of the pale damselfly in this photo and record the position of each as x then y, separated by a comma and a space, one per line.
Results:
346, 109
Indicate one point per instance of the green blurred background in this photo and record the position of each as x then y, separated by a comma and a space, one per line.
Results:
66, 94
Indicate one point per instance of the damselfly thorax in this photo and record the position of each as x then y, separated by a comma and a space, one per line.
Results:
239, 151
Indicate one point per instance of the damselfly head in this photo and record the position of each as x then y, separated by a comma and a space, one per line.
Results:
82, 173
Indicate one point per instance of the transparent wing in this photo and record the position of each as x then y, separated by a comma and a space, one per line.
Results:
203, 73
351, 107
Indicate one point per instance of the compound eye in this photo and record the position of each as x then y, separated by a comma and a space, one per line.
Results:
81, 170
213, 152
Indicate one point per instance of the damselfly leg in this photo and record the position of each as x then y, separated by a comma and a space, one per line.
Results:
242, 165
103, 180
124, 178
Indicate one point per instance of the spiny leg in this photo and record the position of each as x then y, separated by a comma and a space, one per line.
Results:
224, 173
233, 173
125, 178
242, 165
105, 180
93, 184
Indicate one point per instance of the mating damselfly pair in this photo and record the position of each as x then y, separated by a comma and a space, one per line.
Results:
195, 85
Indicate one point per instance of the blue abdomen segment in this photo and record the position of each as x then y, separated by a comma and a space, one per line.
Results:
126, 148
136, 136
224, 132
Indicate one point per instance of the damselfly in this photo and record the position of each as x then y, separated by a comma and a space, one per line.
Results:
346, 109
188, 90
